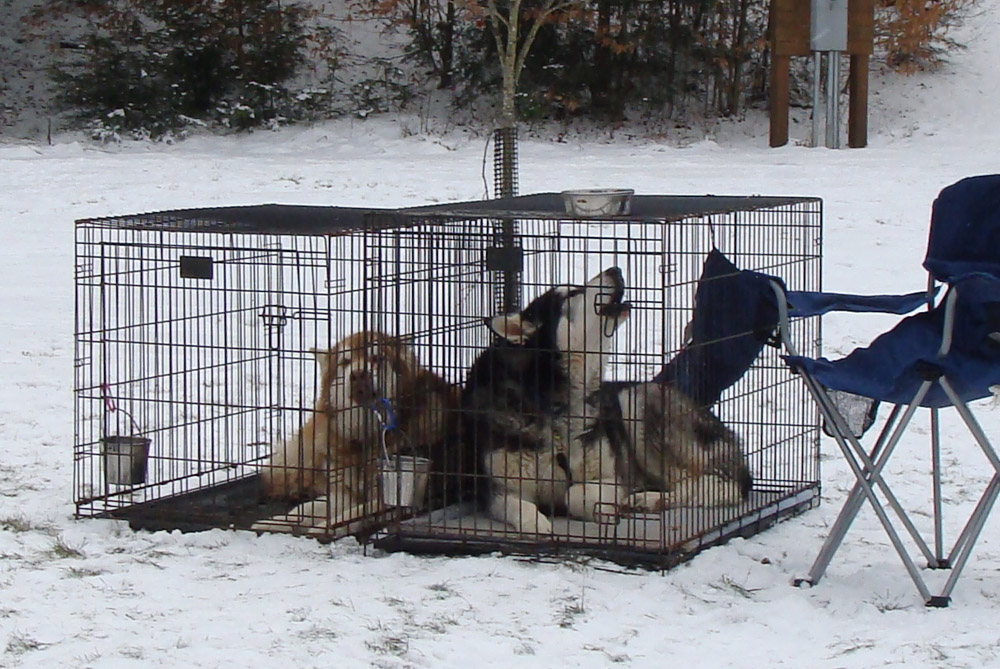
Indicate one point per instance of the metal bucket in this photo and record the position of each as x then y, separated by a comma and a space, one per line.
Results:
125, 459
404, 480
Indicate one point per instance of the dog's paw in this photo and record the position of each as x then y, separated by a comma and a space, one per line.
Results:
521, 514
538, 524
543, 526
276, 524
650, 501
286, 483
596, 501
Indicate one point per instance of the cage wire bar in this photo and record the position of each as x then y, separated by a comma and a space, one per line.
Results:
195, 332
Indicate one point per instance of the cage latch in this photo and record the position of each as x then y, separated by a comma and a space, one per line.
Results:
197, 267
275, 318
505, 259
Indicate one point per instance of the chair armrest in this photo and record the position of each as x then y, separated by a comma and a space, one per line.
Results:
801, 303
993, 321
979, 294
781, 301
948, 326
808, 303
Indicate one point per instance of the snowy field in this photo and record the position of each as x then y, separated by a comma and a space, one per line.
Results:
94, 594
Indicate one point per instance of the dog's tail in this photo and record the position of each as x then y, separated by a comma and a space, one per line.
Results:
731, 463
744, 479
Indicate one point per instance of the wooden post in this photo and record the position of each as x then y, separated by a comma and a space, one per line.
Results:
857, 115
778, 99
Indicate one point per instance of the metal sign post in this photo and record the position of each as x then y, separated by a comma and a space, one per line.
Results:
796, 34
827, 34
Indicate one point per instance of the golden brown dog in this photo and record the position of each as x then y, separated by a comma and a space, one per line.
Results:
332, 460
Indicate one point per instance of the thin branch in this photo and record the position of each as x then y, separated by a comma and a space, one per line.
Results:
496, 21
536, 25
512, 50
494, 15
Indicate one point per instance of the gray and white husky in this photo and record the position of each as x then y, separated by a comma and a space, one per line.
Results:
553, 437
669, 452
525, 401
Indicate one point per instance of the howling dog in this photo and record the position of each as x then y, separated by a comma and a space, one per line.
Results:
553, 436
330, 464
525, 403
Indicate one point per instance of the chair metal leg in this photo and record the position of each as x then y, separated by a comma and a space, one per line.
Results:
873, 470
971, 533
847, 513
982, 510
869, 477
890, 530
865, 478
971, 423
939, 561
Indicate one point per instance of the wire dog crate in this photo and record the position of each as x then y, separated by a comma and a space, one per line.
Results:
202, 335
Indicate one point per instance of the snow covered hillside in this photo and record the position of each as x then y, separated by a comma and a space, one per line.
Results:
95, 594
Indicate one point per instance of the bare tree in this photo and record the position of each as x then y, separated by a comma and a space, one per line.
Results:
513, 47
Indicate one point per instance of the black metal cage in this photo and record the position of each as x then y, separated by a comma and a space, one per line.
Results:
195, 361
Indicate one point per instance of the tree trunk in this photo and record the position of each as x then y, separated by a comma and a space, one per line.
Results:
600, 77
508, 103
736, 59
447, 45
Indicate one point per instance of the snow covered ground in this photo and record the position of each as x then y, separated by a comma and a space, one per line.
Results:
95, 594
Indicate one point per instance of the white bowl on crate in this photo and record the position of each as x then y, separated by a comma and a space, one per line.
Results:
591, 202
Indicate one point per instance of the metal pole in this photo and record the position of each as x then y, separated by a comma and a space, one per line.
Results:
505, 162
817, 92
505, 170
836, 99
831, 99
936, 484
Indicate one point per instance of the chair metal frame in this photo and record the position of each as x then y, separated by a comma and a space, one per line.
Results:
867, 467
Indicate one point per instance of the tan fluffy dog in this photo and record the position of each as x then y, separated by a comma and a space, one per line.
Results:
331, 461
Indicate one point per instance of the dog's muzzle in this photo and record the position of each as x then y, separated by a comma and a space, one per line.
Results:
608, 302
362, 387
615, 310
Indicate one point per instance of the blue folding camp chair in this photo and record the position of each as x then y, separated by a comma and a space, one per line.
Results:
944, 356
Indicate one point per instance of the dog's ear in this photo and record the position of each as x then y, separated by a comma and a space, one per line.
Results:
513, 327
323, 357
406, 359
